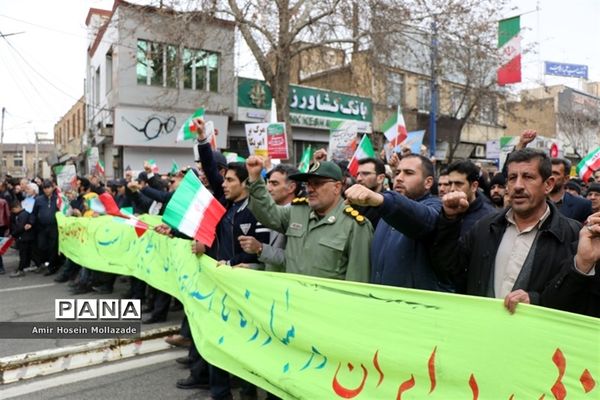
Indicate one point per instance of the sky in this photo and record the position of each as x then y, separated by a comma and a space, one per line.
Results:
42, 69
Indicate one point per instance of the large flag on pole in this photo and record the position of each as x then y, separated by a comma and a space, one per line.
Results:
394, 128
588, 165
188, 129
509, 44
193, 210
364, 150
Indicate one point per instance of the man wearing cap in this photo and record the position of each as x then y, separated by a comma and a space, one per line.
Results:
593, 195
498, 190
325, 238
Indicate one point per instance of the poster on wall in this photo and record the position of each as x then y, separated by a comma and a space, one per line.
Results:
267, 139
152, 128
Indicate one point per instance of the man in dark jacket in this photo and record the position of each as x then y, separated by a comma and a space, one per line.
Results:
577, 287
570, 206
399, 250
463, 176
512, 255
43, 219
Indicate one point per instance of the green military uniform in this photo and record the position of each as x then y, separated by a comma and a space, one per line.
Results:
335, 246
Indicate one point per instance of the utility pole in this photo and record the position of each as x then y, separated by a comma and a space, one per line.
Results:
2, 143
36, 162
434, 97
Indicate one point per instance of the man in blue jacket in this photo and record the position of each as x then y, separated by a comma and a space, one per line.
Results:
399, 250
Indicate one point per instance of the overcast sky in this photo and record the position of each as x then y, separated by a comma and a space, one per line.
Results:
42, 70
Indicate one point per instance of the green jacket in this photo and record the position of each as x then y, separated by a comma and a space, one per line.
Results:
335, 246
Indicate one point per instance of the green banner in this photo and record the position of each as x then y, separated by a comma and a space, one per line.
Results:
304, 337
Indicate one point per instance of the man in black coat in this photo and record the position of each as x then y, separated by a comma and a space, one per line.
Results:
515, 254
570, 206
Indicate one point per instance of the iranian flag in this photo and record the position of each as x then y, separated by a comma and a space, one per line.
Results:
153, 166
364, 150
588, 165
100, 168
139, 226
188, 129
307, 156
193, 210
394, 129
509, 44
5, 243
62, 202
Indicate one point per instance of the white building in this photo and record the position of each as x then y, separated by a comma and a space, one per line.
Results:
148, 69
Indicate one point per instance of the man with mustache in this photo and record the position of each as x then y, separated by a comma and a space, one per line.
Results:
514, 254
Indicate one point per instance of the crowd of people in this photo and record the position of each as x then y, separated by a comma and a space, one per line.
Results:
527, 234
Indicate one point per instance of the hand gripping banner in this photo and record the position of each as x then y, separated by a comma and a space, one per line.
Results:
301, 337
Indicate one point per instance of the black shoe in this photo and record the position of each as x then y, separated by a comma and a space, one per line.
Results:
61, 279
191, 383
51, 271
102, 289
147, 309
81, 290
184, 361
153, 320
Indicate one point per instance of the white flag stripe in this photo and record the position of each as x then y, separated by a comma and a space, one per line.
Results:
194, 214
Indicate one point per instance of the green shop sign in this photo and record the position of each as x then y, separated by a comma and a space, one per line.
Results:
308, 106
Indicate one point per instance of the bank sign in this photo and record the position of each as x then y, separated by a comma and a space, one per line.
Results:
309, 107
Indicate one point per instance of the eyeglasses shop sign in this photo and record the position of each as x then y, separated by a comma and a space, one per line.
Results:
146, 127
309, 107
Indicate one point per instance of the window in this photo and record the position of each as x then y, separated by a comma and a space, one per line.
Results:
488, 112
18, 160
200, 70
395, 88
97, 88
4, 162
156, 64
424, 95
457, 103
109, 71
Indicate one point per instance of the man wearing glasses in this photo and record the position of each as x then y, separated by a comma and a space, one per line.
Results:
325, 238
371, 174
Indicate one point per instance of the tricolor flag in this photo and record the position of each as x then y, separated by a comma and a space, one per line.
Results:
509, 44
588, 165
174, 168
139, 226
307, 156
394, 129
153, 166
193, 210
62, 202
188, 129
5, 243
100, 168
364, 150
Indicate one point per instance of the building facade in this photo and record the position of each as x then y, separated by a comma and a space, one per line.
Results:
570, 117
69, 131
148, 69
23, 161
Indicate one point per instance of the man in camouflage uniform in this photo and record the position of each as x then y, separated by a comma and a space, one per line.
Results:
325, 238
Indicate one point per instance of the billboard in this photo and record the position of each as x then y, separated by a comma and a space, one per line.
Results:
568, 70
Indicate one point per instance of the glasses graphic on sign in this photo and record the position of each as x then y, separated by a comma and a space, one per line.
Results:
155, 126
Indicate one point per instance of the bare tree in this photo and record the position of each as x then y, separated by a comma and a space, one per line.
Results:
461, 36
